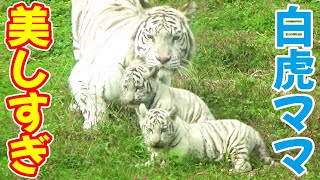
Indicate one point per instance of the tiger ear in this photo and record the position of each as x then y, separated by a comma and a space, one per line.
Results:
145, 4
153, 71
142, 5
173, 112
188, 9
142, 111
122, 68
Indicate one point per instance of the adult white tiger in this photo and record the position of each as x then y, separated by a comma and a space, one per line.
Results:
209, 141
140, 84
109, 32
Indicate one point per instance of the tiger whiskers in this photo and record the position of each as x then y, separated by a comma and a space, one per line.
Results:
185, 68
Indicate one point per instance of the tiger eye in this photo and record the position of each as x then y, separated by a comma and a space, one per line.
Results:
150, 37
175, 38
163, 130
149, 130
140, 87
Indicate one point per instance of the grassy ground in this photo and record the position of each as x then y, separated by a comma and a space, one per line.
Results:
233, 72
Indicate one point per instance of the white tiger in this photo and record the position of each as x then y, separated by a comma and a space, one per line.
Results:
140, 84
106, 32
109, 32
209, 141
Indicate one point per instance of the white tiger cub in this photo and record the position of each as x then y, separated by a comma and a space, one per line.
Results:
209, 141
109, 32
141, 84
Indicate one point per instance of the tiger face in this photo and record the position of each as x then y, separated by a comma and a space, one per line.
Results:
136, 85
157, 126
165, 38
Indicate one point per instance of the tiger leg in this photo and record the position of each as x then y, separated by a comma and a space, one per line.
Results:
92, 107
154, 155
166, 80
94, 111
262, 151
240, 160
152, 158
165, 76
76, 11
88, 97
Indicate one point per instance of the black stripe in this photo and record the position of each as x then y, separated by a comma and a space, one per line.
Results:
173, 146
213, 142
230, 136
217, 134
204, 144
224, 127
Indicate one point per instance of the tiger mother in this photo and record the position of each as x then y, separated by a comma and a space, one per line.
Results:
109, 32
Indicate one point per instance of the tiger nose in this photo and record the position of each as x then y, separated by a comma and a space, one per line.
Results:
130, 101
155, 140
163, 60
155, 143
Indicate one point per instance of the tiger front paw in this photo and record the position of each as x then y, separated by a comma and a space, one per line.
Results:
146, 164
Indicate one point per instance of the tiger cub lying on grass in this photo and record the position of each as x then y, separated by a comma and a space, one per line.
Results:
141, 84
164, 130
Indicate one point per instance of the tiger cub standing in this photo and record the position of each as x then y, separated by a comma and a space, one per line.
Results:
163, 130
141, 84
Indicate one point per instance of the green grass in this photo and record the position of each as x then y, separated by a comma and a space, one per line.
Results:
233, 72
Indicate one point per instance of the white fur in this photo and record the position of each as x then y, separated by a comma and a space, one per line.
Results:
209, 141
103, 36
191, 107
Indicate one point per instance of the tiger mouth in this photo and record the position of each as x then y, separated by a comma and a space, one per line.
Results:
133, 104
156, 146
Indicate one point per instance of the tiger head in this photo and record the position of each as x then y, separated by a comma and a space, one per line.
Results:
138, 83
164, 37
157, 126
